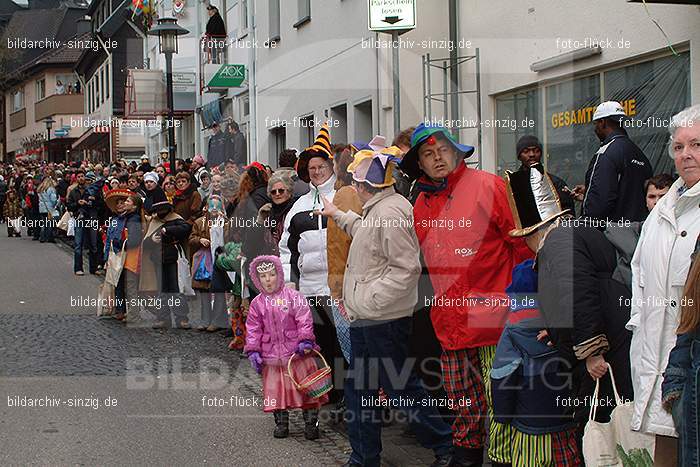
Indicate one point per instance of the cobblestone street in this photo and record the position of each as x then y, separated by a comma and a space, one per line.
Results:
166, 385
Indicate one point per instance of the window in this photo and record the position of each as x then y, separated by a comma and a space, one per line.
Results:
245, 106
278, 141
306, 125
650, 92
304, 7
102, 85
40, 89
18, 100
274, 35
339, 122
107, 81
516, 107
363, 121
244, 16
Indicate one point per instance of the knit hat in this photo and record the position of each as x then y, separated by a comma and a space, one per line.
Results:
527, 141
375, 168
151, 176
199, 159
90, 176
320, 148
533, 200
425, 134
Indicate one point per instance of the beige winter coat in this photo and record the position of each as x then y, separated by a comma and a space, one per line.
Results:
383, 263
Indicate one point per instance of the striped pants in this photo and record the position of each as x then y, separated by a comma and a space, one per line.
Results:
467, 378
558, 449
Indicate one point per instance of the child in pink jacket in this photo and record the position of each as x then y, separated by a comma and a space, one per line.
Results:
279, 323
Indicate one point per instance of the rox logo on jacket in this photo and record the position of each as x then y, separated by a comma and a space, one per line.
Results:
464, 252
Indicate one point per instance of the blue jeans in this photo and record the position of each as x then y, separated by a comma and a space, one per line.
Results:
379, 359
85, 235
46, 234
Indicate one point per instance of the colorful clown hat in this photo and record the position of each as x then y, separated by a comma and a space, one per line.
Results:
320, 148
375, 168
426, 134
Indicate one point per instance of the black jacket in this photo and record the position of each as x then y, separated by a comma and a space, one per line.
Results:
615, 181
216, 26
216, 152
584, 308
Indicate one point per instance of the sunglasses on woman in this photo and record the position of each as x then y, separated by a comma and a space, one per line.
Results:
278, 191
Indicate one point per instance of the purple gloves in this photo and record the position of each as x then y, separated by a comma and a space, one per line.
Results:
256, 361
304, 347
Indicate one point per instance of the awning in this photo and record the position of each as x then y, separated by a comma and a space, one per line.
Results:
91, 138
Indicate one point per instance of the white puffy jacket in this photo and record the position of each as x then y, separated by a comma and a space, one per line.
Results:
303, 242
659, 269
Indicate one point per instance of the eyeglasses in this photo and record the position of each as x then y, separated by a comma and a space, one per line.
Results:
321, 168
278, 191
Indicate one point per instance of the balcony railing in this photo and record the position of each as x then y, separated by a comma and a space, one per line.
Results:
59, 104
18, 119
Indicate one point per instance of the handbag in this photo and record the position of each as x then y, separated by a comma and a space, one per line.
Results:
115, 265
70, 232
607, 444
184, 279
63, 221
204, 265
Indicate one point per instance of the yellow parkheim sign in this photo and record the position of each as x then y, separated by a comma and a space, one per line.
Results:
585, 114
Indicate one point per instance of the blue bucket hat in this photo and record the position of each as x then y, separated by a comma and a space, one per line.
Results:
409, 164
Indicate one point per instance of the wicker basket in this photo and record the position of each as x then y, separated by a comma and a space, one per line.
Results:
317, 383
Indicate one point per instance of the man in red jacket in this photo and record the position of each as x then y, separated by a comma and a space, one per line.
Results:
462, 220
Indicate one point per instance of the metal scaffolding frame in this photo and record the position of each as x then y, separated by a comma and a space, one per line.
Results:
446, 65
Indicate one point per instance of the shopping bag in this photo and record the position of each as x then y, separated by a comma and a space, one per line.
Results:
105, 299
70, 232
115, 265
202, 265
63, 221
607, 444
184, 279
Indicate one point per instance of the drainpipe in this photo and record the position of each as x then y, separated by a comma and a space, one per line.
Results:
252, 89
197, 77
454, 71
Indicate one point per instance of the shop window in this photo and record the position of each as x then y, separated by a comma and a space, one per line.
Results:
516, 110
571, 141
651, 93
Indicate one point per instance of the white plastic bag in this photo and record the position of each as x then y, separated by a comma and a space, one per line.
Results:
16, 225
70, 232
115, 265
601, 440
184, 279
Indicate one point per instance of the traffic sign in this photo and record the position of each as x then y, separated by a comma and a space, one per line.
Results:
390, 15
60, 132
227, 76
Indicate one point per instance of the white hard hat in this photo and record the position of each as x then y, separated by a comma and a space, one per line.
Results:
162, 150
144, 157
609, 109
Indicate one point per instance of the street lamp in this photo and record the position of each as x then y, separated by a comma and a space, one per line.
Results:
49, 124
167, 31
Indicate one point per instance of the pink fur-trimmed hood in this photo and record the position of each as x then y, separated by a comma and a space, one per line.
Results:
278, 267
